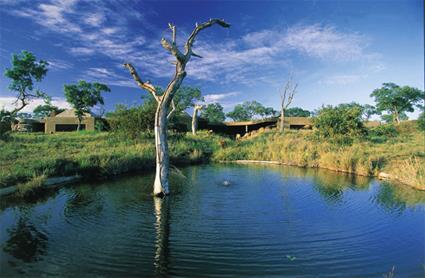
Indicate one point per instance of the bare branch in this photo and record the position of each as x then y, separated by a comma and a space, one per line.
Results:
198, 28
173, 108
144, 85
172, 48
196, 55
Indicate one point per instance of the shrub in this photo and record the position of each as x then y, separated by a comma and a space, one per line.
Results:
341, 123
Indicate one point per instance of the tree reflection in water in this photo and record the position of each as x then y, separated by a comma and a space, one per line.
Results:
162, 229
25, 242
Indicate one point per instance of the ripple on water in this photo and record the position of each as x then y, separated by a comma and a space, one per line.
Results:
265, 221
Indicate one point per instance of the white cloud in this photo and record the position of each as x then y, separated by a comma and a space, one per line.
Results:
109, 77
210, 98
325, 42
81, 51
342, 79
256, 57
8, 103
56, 64
94, 19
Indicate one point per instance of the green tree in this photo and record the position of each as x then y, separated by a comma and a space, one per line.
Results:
43, 111
389, 118
340, 122
24, 72
396, 100
213, 112
250, 110
186, 97
297, 112
368, 111
83, 96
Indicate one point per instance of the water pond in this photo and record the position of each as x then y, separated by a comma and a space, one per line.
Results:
222, 220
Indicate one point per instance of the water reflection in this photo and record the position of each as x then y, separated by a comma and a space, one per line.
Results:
25, 242
162, 230
398, 198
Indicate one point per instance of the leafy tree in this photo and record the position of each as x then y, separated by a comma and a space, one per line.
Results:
389, 118
213, 112
368, 111
421, 121
340, 122
297, 112
43, 111
83, 96
24, 72
186, 97
396, 100
24, 115
250, 110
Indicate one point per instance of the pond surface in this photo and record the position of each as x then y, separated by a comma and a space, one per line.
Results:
222, 220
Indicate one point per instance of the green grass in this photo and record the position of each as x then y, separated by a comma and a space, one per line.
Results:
401, 155
25, 157
92, 154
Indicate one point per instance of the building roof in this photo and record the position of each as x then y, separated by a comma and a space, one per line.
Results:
70, 113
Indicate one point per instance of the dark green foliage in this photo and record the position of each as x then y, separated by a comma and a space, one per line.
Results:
342, 122
213, 112
24, 71
186, 97
389, 118
382, 133
43, 111
131, 121
250, 110
421, 121
83, 96
5, 124
368, 111
297, 112
396, 100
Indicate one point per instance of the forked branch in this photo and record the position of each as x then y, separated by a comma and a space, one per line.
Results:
173, 108
144, 85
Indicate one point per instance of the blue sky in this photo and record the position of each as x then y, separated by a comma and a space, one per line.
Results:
337, 51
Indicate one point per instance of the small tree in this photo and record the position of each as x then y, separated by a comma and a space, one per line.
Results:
297, 112
24, 71
165, 100
43, 111
83, 96
213, 112
396, 100
368, 111
286, 97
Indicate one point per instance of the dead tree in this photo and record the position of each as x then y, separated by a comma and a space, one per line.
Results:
165, 100
286, 97
196, 108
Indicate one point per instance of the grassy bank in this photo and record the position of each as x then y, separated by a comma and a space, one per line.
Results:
402, 155
25, 157
28, 158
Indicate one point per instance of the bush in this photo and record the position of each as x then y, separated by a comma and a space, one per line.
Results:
132, 121
382, 133
5, 124
341, 123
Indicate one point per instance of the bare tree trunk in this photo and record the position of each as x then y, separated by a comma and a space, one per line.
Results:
165, 100
160, 186
282, 120
79, 124
396, 116
195, 118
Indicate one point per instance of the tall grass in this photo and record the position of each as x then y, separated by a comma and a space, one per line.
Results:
363, 157
93, 154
